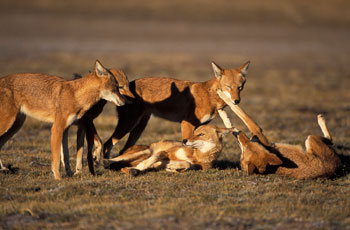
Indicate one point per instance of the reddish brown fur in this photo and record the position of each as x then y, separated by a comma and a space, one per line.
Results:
191, 103
86, 126
200, 150
55, 100
317, 160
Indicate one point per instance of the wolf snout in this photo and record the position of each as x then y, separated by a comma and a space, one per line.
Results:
119, 102
184, 141
235, 132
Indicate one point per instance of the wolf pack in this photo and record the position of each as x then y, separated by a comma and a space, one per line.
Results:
79, 101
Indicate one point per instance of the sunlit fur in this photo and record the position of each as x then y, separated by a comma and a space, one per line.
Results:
317, 160
190, 103
51, 99
87, 128
199, 151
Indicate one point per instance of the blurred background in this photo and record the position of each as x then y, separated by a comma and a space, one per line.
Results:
179, 32
300, 66
299, 50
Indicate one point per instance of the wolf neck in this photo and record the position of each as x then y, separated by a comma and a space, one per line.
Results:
86, 90
209, 155
212, 86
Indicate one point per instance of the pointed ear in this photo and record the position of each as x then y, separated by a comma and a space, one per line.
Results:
223, 131
272, 159
100, 71
126, 77
217, 70
243, 139
244, 68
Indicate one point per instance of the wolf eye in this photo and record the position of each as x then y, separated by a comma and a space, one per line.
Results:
240, 88
120, 87
201, 134
229, 86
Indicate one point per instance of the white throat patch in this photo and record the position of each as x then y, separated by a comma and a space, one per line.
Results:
181, 155
112, 97
203, 146
228, 95
241, 146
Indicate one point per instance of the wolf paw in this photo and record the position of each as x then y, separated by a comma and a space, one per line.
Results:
9, 169
106, 163
131, 171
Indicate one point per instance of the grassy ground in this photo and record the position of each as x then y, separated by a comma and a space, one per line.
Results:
299, 69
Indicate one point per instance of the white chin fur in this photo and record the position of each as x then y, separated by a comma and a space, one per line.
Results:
203, 146
117, 102
108, 96
189, 144
228, 95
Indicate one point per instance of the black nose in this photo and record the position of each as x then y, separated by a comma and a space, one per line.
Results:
237, 101
184, 141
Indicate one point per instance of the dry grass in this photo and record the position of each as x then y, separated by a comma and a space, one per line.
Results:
221, 198
296, 73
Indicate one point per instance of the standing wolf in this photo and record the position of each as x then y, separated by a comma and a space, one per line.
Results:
55, 100
187, 102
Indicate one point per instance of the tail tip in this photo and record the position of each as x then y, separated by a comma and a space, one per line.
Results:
320, 115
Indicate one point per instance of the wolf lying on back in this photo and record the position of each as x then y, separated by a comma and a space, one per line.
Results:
199, 151
258, 154
318, 160
191, 103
